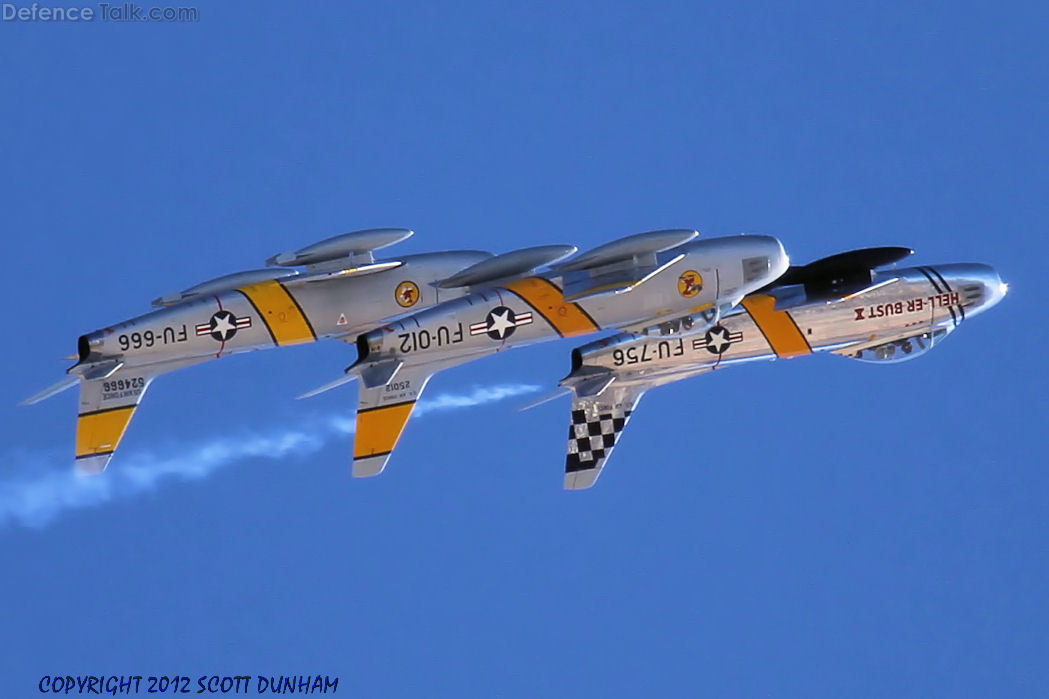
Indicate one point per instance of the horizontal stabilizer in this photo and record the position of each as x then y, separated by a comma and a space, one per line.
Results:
625, 248
378, 374
517, 263
545, 399
589, 381
102, 370
328, 386
358, 244
55, 389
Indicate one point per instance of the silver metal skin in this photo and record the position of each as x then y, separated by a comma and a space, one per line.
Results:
476, 325
332, 307
900, 316
342, 292
638, 283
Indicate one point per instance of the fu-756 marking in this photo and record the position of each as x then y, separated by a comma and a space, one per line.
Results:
804, 312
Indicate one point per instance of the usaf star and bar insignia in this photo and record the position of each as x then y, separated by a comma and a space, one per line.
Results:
717, 340
500, 323
223, 325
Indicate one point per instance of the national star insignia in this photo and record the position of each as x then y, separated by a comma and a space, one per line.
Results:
500, 323
223, 325
718, 340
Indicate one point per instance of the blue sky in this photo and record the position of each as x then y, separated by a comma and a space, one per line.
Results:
805, 528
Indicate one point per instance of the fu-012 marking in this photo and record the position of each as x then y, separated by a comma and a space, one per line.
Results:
147, 338
916, 305
418, 340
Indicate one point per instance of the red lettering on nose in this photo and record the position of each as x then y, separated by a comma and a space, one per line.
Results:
859, 314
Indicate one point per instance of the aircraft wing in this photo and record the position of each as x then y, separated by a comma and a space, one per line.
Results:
613, 279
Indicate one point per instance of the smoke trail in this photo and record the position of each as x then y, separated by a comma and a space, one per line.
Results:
46, 485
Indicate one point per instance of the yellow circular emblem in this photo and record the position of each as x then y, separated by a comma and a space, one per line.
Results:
407, 294
690, 283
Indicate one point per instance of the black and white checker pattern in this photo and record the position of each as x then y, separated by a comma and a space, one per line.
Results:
590, 441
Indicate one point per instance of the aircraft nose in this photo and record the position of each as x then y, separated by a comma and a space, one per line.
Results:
996, 289
983, 279
779, 261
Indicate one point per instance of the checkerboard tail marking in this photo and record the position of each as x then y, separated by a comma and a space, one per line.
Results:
595, 429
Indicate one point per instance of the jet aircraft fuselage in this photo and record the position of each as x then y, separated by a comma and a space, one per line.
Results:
900, 315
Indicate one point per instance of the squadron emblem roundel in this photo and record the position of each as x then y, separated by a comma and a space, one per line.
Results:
407, 294
690, 283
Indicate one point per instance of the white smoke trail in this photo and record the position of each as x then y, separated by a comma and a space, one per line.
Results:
45, 484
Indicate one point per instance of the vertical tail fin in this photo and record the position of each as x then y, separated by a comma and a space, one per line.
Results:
596, 425
106, 406
382, 413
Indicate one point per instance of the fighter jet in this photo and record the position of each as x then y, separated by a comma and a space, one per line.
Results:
839, 305
658, 282
341, 291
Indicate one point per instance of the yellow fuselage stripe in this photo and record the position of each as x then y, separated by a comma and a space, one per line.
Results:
100, 432
777, 326
378, 429
280, 312
548, 300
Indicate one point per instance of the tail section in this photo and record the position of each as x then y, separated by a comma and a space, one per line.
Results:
109, 395
597, 422
382, 413
389, 390
106, 406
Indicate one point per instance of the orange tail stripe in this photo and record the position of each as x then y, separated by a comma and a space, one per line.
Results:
280, 312
378, 429
777, 326
100, 432
548, 300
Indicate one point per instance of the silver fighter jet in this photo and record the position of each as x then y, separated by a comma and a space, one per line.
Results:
341, 291
838, 305
659, 282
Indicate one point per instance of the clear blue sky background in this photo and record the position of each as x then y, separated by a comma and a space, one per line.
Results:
810, 528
